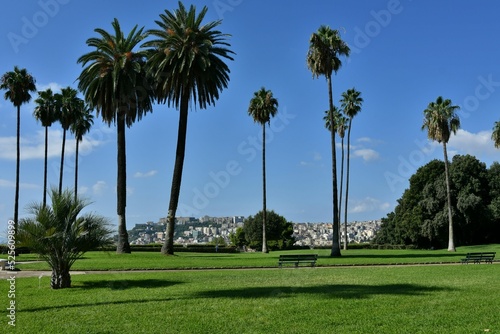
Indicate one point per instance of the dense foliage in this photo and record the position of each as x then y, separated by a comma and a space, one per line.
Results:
420, 218
278, 231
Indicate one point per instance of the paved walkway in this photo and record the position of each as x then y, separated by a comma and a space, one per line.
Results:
4, 274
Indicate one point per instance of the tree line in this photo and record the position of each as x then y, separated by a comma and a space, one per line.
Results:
421, 217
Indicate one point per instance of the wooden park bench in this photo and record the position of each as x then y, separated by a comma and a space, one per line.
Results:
297, 259
479, 257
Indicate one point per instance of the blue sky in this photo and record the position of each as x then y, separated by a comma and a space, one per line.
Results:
404, 55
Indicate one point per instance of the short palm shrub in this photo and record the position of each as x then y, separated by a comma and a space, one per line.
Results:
60, 235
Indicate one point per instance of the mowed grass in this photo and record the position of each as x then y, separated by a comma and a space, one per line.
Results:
446, 298
185, 260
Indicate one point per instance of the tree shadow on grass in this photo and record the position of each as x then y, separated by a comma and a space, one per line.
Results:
342, 291
123, 284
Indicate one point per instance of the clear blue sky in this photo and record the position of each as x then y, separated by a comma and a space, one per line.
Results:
404, 55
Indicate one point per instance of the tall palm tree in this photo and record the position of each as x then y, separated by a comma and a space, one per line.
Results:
325, 48
186, 62
351, 102
61, 235
18, 85
341, 126
45, 112
495, 135
67, 105
114, 83
81, 125
440, 120
262, 107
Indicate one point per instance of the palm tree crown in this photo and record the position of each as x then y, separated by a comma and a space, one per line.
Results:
351, 102
325, 47
18, 85
186, 58
441, 120
114, 81
263, 106
45, 110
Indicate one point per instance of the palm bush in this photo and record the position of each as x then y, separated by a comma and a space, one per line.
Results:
61, 235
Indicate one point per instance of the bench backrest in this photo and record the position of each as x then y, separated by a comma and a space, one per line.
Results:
298, 257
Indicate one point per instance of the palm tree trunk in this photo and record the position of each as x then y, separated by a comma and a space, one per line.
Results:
451, 243
264, 209
62, 162
18, 162
340, 192
347, 180
168, 246
45, 167
123, 245
76, 169
336, 227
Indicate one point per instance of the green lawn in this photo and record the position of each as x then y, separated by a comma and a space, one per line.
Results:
342, 299
154, 260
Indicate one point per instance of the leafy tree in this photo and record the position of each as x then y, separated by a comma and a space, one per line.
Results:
262, 107
67, 106
18, 85
471, 191
187, 63
45, 112
325, 48
81, 125
351, 102
278, 231
495, 135
440, 120
238, 238
115, 84
61, 235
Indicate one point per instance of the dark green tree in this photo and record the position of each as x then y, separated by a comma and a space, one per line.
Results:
323, 58
186, 60
18, 84
263, 106
278, 231
115, 84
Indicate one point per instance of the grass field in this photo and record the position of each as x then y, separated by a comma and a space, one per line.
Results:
445, 298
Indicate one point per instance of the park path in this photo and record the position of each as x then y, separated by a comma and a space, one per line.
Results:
5, 274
